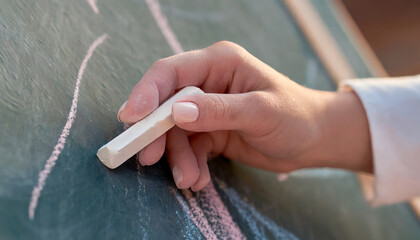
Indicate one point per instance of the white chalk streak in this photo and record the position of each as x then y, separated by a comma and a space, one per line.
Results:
92, 4
43, 175
163, 24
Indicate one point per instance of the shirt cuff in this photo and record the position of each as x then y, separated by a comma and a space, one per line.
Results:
392, 106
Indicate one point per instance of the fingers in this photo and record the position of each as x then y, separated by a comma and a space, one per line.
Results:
201, 144
211, 112
140, 103
187, 157
153, 152
181, 159
212, 67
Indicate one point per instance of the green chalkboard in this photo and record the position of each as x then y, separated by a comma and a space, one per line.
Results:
47, 48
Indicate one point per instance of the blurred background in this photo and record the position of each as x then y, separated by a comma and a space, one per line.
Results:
392, 29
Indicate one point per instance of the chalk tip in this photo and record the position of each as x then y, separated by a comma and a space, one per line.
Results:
105, 155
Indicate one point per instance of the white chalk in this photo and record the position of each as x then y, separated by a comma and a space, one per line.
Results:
141, 134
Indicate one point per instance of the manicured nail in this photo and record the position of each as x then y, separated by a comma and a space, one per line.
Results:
185, 112
119, 111
139, 155
177, 173
281, 177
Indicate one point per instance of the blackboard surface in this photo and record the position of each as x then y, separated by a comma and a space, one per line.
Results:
43, 44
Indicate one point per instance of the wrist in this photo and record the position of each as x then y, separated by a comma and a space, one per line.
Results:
344, 136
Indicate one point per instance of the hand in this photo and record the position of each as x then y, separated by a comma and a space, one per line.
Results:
250, 113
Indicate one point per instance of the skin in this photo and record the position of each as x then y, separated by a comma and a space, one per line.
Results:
251, 114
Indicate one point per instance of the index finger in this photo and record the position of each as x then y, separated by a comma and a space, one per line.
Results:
211, 69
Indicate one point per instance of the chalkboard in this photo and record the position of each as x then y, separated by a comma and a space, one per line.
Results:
65, 69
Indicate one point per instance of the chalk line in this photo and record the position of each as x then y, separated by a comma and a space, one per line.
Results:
212, 219
92, 4
248, 212
49, 165
252, 224
163, 25
196, 214
218, 215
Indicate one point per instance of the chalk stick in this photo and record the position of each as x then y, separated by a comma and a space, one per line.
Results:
141, 134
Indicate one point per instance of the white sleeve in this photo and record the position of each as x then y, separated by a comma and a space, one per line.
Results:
393, 110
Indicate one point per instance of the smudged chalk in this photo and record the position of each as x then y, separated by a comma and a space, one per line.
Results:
253, 217
212, 218
196, 214
218, 214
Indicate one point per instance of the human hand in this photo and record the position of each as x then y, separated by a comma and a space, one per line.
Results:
250, 113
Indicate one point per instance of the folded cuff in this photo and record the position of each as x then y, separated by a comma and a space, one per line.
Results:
392, 106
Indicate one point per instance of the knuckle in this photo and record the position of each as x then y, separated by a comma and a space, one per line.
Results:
218, 107
227, 48
225, 44
262, 100
264, 106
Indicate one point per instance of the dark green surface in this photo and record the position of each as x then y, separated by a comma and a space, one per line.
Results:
42, 44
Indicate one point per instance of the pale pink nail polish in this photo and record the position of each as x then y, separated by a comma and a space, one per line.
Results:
178, 176
121, 108
185, 112
281, 177
139, 155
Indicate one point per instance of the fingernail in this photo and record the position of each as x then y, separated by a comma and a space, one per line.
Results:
121, 108
185, 112
177, 173
139, 155
281, 177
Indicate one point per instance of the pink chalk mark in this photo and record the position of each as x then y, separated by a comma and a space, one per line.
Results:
223, 222
163, 24
218, 223
196, 214
92, 4
281, 177
43, 175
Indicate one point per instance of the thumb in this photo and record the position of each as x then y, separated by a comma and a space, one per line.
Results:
212, 112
